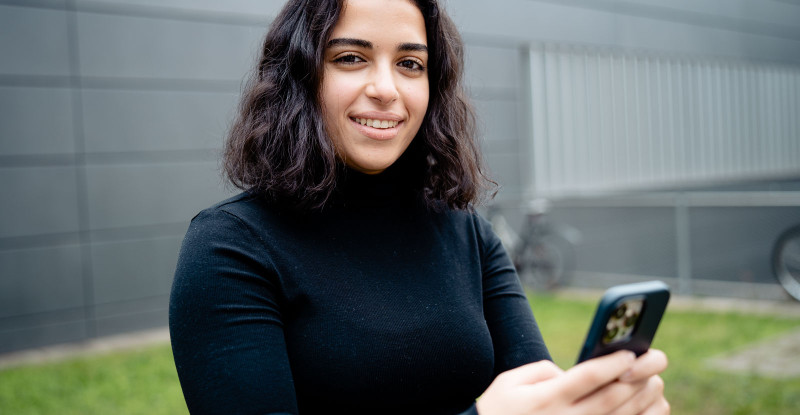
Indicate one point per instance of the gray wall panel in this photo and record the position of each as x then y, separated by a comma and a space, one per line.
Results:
146, 317
506, 146
38, 280
491, 67
636, 241
534, 21
129, 270
33, 41
499, 132
155, 120
145, 194
497, 121
123, 316
42, 334
38, 200
131, 307
735, 243
135, 47
763, 12
504, 169
36, 121
265, 8
59, 317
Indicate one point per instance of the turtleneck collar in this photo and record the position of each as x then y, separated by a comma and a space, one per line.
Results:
398, 183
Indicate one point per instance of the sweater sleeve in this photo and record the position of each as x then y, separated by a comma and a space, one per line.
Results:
225, 323
515, 334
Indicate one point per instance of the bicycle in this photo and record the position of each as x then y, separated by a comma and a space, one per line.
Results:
786, 261
544, 251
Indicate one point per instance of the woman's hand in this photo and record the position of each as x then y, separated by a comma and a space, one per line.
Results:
617, 384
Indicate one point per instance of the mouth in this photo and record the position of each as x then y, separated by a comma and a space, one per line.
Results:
377, 129
375, 123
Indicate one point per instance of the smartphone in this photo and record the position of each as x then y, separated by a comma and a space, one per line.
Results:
626, 318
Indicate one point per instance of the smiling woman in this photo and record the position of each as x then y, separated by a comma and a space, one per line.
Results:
352, 274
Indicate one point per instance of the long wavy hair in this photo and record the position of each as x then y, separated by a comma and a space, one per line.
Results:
277, 146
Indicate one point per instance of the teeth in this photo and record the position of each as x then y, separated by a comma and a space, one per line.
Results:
377, 123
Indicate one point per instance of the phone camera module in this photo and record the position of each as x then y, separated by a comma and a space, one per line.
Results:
622, 322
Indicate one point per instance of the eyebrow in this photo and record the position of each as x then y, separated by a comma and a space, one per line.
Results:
403, 47
412, 47
346, 41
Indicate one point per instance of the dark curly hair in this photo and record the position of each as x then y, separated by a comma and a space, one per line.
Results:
278, 148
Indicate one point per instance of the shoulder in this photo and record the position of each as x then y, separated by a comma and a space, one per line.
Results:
246, 209
471, 219
237, 218
242, 204
469, 223
481, 230
487, 239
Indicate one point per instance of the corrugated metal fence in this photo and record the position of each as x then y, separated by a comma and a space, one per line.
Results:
606, 120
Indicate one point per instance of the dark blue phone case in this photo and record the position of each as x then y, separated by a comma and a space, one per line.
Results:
655, 295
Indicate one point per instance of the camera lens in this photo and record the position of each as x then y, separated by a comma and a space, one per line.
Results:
630, 320
620, 312
610, 335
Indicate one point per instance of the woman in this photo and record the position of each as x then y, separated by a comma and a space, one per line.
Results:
352, 275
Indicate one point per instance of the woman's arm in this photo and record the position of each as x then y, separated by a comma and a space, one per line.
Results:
225, 323
615, 384
515, 334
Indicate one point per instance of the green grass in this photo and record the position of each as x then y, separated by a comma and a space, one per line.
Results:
689, 338
131, 382
144, 381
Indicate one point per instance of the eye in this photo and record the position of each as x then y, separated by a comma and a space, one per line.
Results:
411, 64
349, 59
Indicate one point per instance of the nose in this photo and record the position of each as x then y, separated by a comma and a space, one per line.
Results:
382, 86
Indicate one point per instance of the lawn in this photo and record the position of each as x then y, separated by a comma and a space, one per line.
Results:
131, 382
689, 338
144, 381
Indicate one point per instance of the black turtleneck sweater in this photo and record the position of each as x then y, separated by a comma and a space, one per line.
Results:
375, 305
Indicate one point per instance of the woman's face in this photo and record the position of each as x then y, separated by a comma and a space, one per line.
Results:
375, 82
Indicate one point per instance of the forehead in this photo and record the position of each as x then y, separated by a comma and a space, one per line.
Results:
375, 20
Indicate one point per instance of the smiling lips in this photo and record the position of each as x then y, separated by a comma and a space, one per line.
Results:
377, 129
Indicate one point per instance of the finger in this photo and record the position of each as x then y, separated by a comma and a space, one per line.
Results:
611, 397
649, 364
593, 374
530, 373
651, 394
660, 407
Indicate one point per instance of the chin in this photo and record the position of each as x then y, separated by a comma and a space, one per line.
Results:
369, 169
371, 166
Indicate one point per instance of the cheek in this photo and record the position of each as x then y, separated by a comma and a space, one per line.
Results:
344, 87
330, 100
338, 96
330, 104
334, 105
330, 92
418, 100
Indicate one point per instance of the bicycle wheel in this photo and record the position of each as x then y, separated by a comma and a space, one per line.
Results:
786, 261
543, 264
